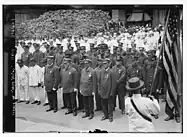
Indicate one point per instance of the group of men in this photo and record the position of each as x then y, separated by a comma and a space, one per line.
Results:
95, 72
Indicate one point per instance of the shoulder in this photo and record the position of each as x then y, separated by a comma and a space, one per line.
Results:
73, 69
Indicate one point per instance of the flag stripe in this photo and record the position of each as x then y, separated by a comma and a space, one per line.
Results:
171, 65
170, 83
170, 68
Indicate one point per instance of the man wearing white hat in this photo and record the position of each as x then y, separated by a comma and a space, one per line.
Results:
140, 109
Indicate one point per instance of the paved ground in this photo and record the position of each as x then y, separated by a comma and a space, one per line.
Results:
33, 118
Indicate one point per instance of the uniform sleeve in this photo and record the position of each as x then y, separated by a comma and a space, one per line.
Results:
110, 83
154, 107
57, 77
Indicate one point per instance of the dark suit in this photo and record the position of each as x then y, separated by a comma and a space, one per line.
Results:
118, 85
87, 87
51, 80
68, 81
105, 84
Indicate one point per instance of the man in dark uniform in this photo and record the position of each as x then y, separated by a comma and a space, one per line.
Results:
68, 81
150, 65
97, 96
38, 55
59, 57
88, 88
51, 81
94, 58
118, 83
26, 55
105, 84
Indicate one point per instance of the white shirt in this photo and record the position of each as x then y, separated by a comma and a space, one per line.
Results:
34, 75
22, 75
147, 107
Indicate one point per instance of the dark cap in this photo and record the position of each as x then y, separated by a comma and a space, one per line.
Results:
67, 58
51, 57
106, 60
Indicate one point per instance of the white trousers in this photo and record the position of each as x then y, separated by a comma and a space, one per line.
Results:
23, 92
36, 93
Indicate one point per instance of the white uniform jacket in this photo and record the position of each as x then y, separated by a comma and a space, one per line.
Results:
147, 107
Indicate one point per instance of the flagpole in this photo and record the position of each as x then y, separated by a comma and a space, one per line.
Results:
162, 45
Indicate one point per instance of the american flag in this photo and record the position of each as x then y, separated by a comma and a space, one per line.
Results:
171, 57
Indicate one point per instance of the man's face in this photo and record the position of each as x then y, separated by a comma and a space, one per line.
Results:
20, 63
26, 49
106, 65
118, 63
66, 64
87, 65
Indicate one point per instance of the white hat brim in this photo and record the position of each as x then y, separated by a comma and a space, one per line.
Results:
140, 86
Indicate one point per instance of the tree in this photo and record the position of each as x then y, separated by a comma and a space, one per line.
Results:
63, 22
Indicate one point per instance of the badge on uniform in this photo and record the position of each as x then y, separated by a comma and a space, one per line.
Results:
69, 73
51, 71
119, 71
89, 75
106, 76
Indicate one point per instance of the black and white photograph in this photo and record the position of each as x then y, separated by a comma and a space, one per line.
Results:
92, 68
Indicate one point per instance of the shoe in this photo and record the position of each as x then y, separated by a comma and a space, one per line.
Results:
91, 117
55, 111
34, 102
123, 112
39, 102
103, 118
86, 115
49, 110
98, 109
27, 102
75, 113
20, 101
110, 119
169, 118
68, 112
46, 104
63, 107
177, 119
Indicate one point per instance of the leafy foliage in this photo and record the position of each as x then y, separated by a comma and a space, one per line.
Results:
63, 22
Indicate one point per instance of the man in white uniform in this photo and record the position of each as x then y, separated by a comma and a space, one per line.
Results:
34, 80
140, 109
22, 75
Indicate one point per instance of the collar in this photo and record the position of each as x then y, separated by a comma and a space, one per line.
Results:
50, 66
87, 69
136, 96
68, 68
107, 69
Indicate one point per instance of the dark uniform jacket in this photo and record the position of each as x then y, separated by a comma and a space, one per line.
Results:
118, 77
26, 58
94, 61
59, 59
88, 81
38, 55
149, 73
51, 77
105, 83
68, 79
